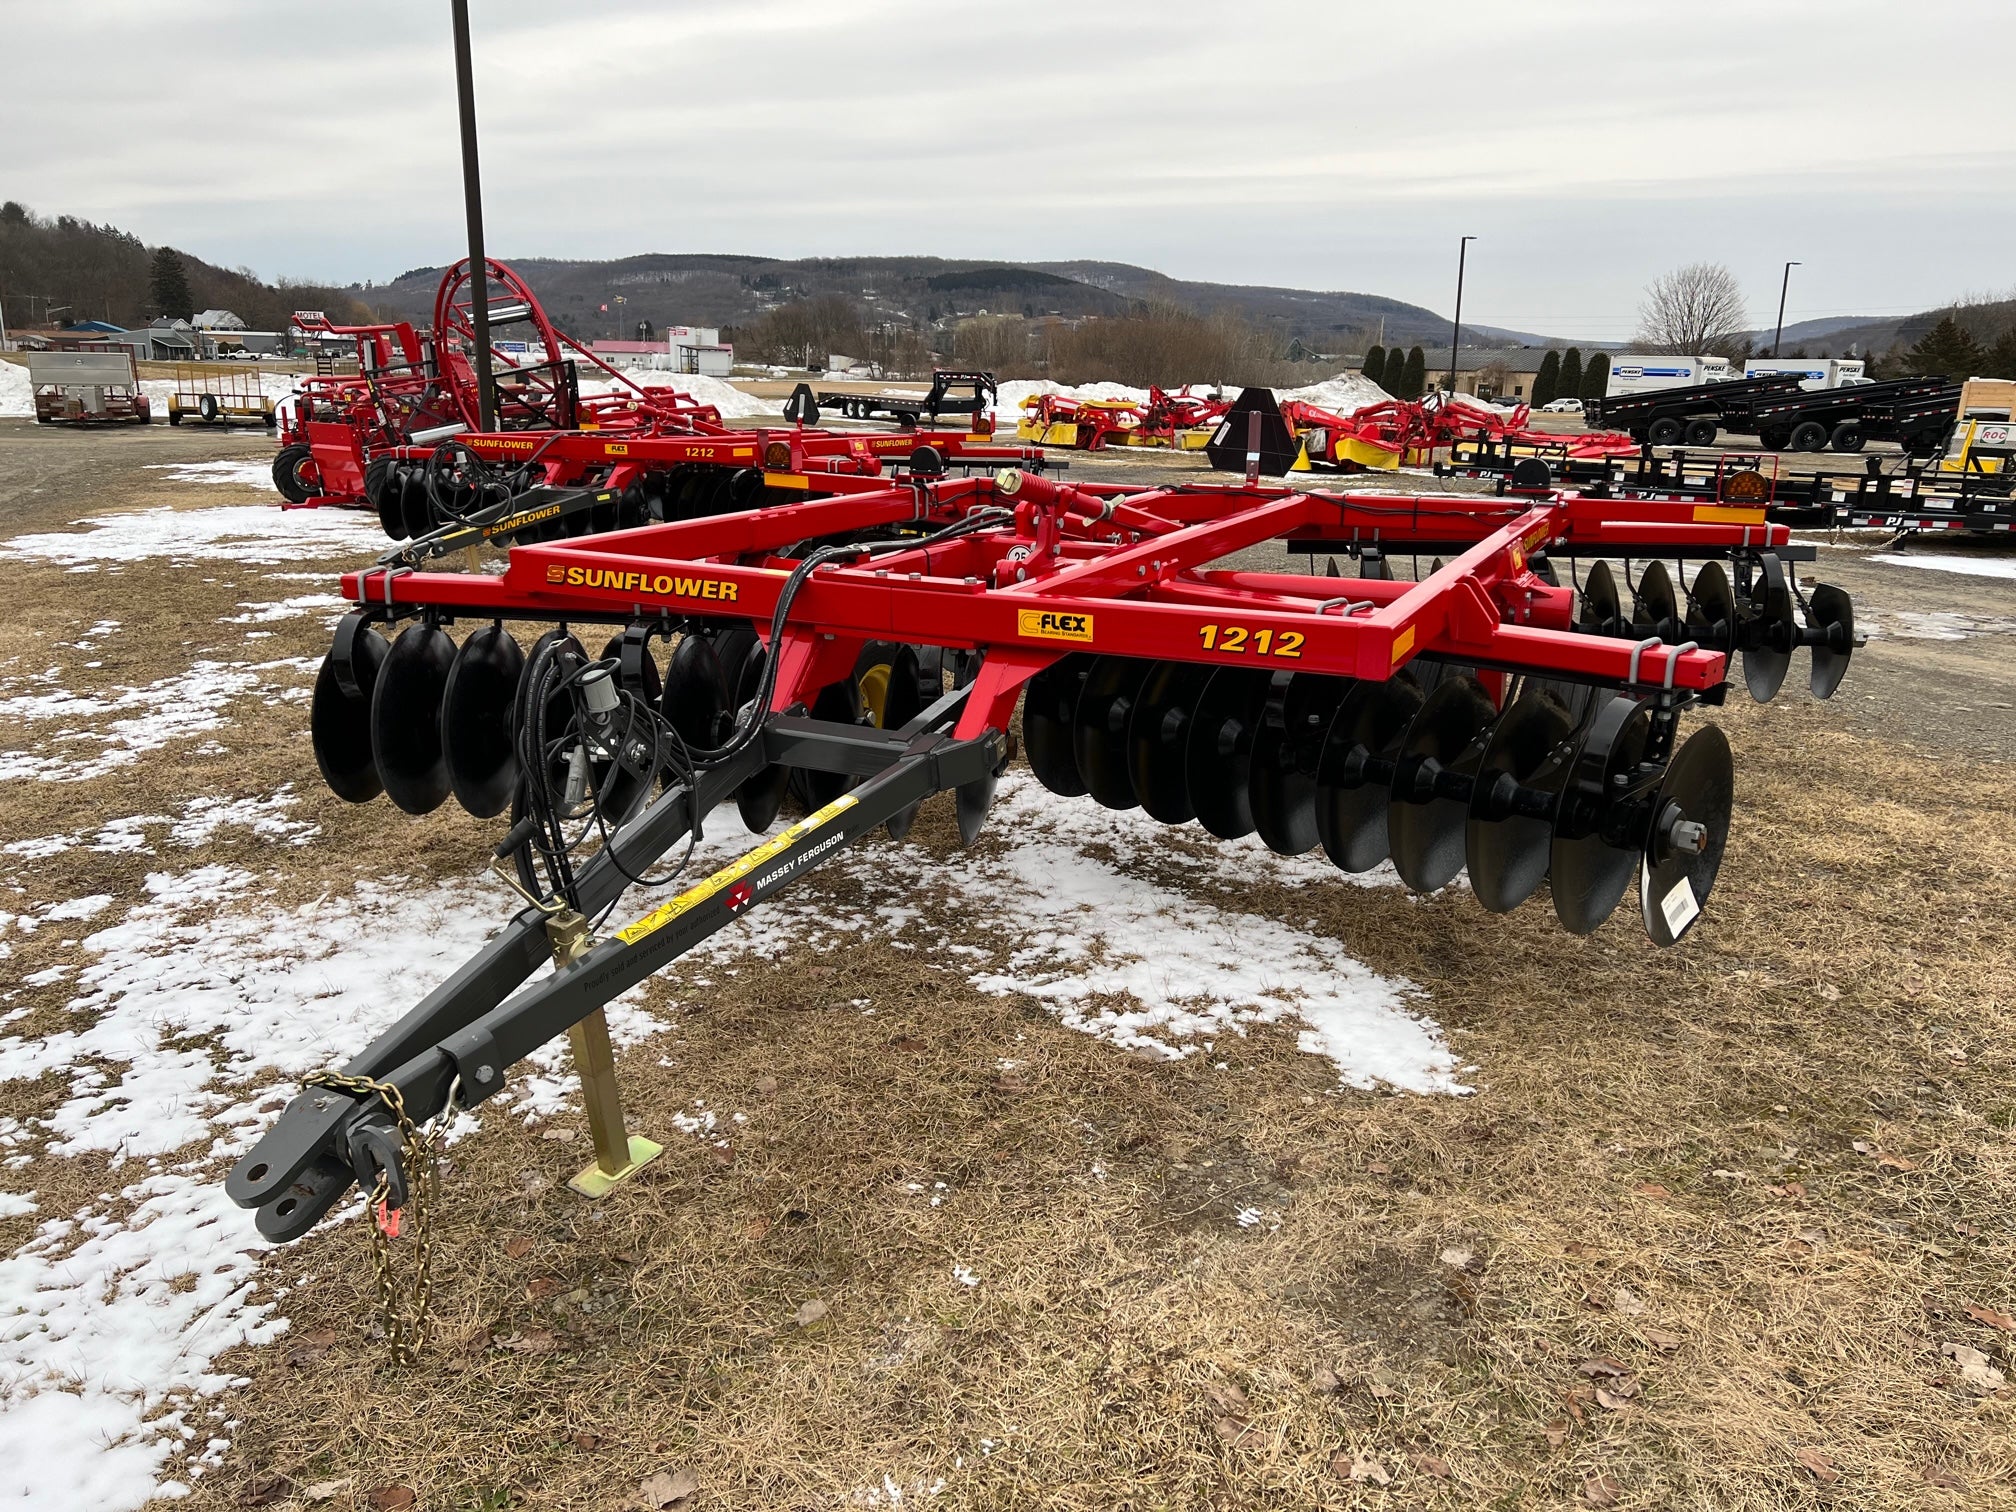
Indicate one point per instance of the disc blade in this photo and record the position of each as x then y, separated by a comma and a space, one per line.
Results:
1355, 770
1699, 789
339, 721
416, 509
1711, 609
1586, 873
694, 699
638, 669
1099, 728
406, 718
972, 801
391, 506
476, 709
1219, 755
1158, 735
889, 672
837, 703
1771, 631
1425, 820
1530, 755
1281, 782
1653, 602
1048, 706
1832, 613
1599, 609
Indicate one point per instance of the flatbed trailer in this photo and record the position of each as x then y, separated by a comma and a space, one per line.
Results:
87, 388
1694, 415
954, 391
1917, 413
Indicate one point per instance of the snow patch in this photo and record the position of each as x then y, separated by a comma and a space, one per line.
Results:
258, 535
1966, 566
244, 474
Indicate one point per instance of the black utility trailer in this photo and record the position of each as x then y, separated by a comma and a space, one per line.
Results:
1916, 413
954, 391
1665, 417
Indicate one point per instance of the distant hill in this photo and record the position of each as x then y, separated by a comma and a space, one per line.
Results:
1986, 319
102, 273
718, 289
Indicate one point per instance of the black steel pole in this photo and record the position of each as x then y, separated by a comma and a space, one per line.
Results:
1784, 284
472, 200
1456, 326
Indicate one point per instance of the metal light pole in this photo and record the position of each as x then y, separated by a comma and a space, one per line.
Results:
472, 200
1456, 326
1785, 284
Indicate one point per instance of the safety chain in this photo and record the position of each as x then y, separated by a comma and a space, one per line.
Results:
402, 1305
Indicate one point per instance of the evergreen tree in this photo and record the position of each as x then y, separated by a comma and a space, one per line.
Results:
1571, 374
1414, 375
1947, 348
1374, 365
1596, 377
1547, 382
1999, 361
168, 286
1394, 379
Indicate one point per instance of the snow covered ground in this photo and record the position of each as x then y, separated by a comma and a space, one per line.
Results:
17, 395
731, 401
1966, 566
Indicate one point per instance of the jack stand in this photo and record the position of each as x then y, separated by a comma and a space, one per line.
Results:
619, 1154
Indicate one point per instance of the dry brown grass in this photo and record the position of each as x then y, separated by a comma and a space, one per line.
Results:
1659, 1165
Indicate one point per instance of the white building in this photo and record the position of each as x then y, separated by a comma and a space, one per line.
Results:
699, 349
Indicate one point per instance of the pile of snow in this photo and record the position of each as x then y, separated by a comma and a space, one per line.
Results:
725, 397
17, 394
1966, 566
258, 535
1345, 394
248, 474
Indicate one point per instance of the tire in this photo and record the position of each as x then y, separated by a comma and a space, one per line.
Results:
287, 474
1808, 436
1701, 433
1637, 433
174, 417
1774, 438
207, 408
1663, 431
1847, 437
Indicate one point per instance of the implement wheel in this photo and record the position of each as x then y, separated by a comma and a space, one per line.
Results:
295, 474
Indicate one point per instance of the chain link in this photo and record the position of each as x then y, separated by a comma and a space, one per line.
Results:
402, 1303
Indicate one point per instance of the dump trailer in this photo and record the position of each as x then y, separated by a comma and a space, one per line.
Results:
1666, 417
954, 391
87, 388
1917, 413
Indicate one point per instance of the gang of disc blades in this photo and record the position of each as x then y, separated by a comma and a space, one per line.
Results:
1654, 603
406, 718
1219, 756
1158, 736
1099, 728
1048, 706
1598, 608
476, 721
339, 721
1831, 612
1281, 780
1506, 847
1699, 787
1354, 769
1767, 656
1425, 828
1586, 873
1711, 609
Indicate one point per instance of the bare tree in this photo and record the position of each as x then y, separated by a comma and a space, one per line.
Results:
1696, 310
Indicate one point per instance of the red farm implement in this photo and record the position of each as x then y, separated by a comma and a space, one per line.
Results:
1182, 420
1388, 435
415, 387
1507, 714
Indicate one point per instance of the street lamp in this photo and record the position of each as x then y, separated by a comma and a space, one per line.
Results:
1785, 284
1456, 326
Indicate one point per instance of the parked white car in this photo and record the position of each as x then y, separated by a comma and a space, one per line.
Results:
1562, 407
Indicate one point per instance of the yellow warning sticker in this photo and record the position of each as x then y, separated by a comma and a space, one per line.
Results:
1047, 624
736, 870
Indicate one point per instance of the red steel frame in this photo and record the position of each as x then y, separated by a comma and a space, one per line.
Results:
1123, 572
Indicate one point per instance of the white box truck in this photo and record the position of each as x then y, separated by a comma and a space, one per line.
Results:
1813, 372
1646, 372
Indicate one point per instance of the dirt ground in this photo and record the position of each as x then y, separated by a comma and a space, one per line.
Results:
1715, 1227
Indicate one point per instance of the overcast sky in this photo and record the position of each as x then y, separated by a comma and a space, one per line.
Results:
1588, 144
